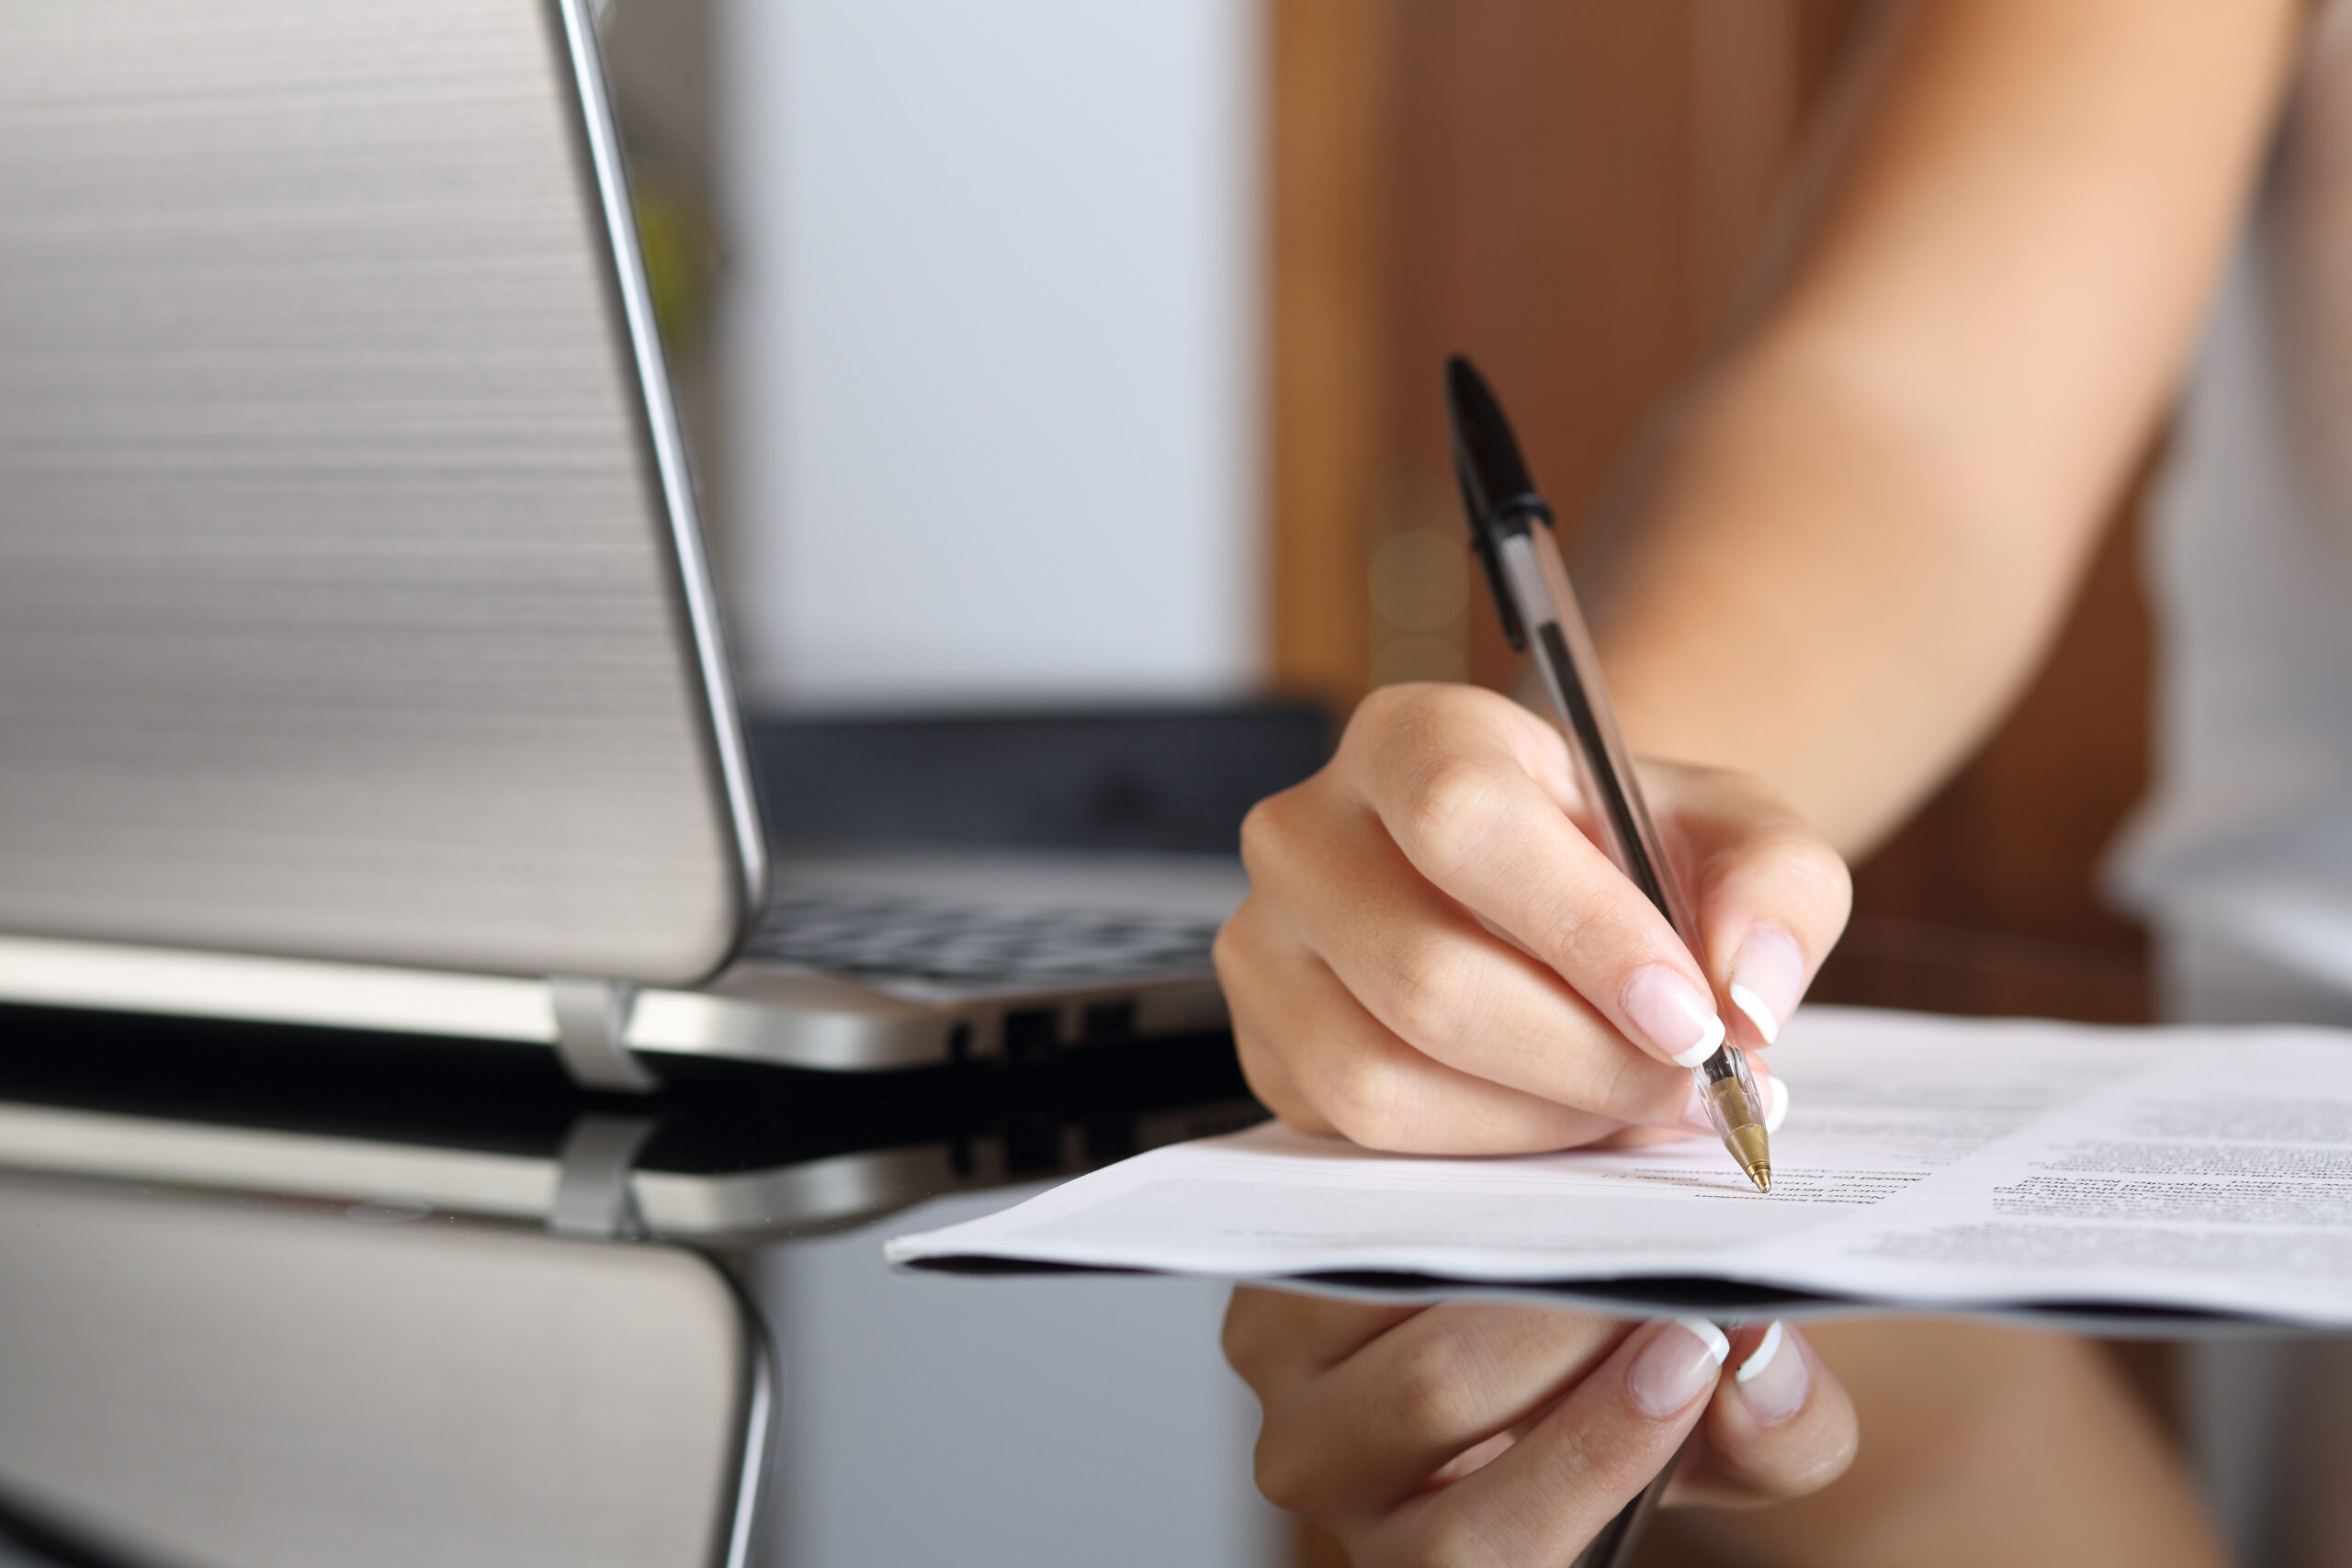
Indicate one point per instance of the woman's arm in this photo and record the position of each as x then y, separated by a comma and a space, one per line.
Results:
1833, 567
1835, 564
1841, 558
1843, 555
1981, 1445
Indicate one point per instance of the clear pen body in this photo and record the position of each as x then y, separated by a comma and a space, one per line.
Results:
1537, 580
1736, 1112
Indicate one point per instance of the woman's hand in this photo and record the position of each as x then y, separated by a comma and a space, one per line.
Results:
1434, 957
1478, 1432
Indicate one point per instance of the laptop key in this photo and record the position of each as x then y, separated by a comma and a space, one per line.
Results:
885, 938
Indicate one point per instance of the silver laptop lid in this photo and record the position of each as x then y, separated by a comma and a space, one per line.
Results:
350, 598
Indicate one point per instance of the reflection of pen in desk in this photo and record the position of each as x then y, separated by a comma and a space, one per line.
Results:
1511, 528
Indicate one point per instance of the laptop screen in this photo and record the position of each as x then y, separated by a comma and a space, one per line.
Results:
349, 600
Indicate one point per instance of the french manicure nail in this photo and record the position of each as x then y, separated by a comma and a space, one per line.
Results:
1672, 1014
1774, 1379
1675, 1367
1767, 979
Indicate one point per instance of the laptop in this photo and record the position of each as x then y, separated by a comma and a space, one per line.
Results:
359, 663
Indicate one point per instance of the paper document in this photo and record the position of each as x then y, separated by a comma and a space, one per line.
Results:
1930, 1162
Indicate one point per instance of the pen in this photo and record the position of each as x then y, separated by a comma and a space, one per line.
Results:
1510, 530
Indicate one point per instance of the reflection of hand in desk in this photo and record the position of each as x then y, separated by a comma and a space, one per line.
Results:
1473, 1431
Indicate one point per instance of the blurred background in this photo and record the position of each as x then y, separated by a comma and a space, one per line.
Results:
966, 307
1048, 354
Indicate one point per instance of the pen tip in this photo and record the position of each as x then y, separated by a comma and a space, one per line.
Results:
1754, 1153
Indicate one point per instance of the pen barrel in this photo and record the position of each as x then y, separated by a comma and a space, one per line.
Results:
1736, 1110
1571, 670
1511, 527
1728, 1090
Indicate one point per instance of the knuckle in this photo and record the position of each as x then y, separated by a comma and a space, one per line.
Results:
1385, 710
1379, 710
1389, 721
1437, 1388
1588, 929
1228, 950
1366, 1101
1247, 959
1432, 977
1268, 1085
1447, 813
1284, 1471
1244, 1340
1605, 1460
1266, 828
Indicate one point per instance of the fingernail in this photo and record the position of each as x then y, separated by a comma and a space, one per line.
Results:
1677, 1366
1780, 1112
1673, 1016
1774, 1380
1767, 979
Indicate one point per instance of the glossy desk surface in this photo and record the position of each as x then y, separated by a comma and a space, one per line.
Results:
271, 1297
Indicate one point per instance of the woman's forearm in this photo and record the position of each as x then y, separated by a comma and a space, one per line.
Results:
1845, 553
1984, 1445
1801, 598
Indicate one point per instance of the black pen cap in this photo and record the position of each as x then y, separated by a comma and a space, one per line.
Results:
1497, 493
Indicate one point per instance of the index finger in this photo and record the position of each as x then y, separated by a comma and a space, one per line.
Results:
1277, 1339
1472, 789
1545, 1497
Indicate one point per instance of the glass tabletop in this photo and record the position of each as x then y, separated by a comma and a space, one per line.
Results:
277, 1296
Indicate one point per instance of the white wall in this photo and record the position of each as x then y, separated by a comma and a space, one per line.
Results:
991, 347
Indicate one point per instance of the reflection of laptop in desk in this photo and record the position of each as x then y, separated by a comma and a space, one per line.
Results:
729, 1154
276, 1383
357, 660
275, 1298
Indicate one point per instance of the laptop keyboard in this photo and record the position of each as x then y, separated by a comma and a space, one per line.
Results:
881, 937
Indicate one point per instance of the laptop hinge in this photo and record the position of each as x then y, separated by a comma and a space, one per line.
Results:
593, 1196
591, 1034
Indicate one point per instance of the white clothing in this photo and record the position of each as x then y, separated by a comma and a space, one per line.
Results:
2242, 858
2246, 842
